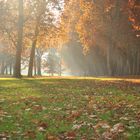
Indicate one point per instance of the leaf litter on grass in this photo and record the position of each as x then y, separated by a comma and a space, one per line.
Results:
79, 109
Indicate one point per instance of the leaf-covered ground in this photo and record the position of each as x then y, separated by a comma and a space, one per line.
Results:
69, 109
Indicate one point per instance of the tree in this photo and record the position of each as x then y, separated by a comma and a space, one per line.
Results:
52, 62
17, 68
105, 28
44, 21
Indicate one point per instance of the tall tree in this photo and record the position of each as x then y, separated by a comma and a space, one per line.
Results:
44, 20
17, 68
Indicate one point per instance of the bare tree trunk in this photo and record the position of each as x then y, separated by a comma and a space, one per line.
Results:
110, 47
60, 67
39, 66
17, 68
2, 68
35, 66
6, 70
109, 68
10, 69
138, 62
32, 55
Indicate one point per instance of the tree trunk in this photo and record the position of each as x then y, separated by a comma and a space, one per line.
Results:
109, 67
138, 62
60, 66
39, 66
2, 67
6, 70
60, 69
10, 69
17, 68
35, 66
114, 18
32, 54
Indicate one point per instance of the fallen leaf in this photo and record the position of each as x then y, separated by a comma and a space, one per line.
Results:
71, 135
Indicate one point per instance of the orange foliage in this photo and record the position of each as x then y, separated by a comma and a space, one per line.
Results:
96, 22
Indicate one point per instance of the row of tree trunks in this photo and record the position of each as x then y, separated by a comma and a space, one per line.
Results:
6, 69
128, 64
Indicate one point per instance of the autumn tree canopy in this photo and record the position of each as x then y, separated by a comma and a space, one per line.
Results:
105, 35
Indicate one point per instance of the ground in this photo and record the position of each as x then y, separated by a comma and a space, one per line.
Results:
69, 109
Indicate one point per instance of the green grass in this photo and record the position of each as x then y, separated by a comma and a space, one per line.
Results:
72, 108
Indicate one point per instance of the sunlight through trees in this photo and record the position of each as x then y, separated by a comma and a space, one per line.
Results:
93, 37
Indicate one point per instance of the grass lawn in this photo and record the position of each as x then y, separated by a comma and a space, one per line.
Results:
69, 109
